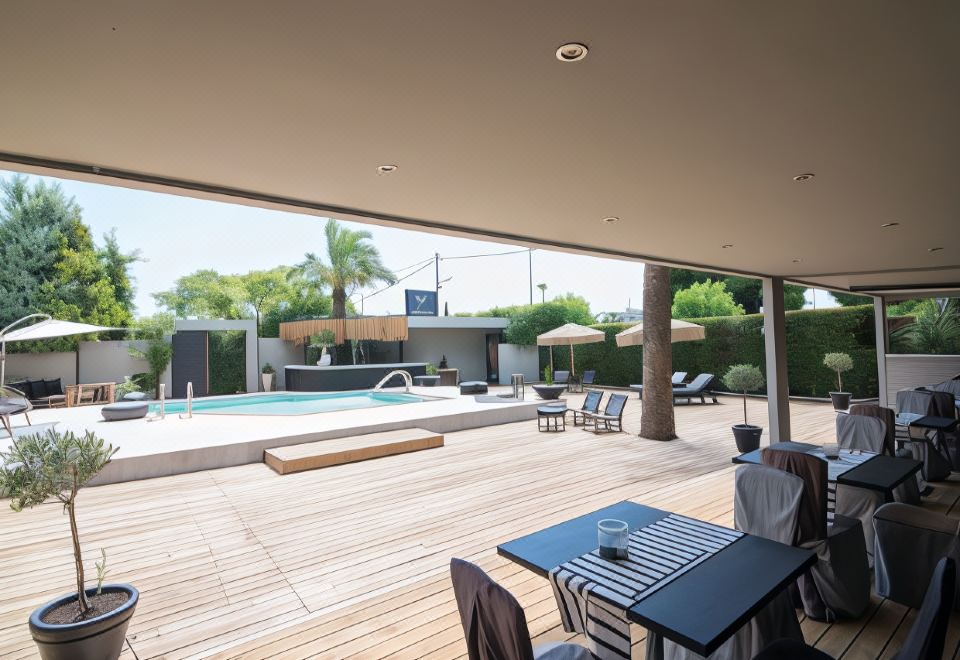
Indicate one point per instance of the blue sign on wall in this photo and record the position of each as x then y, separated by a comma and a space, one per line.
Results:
421, 303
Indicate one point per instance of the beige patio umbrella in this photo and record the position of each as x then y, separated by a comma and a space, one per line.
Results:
679, 331
569, 334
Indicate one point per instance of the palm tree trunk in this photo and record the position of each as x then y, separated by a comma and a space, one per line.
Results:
656, 420
339, 302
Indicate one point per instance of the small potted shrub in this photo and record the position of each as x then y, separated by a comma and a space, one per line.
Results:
433, 375
267, 376
547, 376
839, 362
745, 378
92, 622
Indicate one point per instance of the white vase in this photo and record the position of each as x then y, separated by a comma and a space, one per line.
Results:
267, 382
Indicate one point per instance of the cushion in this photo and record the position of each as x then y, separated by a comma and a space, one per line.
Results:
135, 396
24, 387
54, 388
38, 389
125, 410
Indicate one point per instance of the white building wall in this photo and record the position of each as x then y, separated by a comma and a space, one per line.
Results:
42, 365
519, 359
110, 361
279, 353
465, 349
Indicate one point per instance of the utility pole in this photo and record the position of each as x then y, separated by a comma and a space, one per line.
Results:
436, 264
530, 262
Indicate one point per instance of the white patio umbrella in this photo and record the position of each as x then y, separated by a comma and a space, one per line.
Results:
569, 334
679, 331
46, 329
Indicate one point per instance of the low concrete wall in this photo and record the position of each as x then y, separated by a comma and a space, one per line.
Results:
519, 359
905, 371
42, 365
279, 353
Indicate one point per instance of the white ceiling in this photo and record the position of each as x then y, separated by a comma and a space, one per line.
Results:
688, 120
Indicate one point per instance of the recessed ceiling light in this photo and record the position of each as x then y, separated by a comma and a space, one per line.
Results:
611, 219
572, 52
386, 169
727, 245
934, 249
796, 261
890, 224
804, 177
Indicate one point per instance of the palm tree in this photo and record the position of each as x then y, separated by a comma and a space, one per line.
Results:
656, 417
354, 263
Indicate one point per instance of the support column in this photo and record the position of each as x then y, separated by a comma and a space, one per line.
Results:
883, 345
775, 344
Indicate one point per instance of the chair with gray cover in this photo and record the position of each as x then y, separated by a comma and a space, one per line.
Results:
936, 459
910, 542
494, 625
926, 638
908, 491
867, 434
766, 503
838, 585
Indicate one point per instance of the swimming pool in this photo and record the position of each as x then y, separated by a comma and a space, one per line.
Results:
286, 403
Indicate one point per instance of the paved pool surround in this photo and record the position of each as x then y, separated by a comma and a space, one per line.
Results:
158, 448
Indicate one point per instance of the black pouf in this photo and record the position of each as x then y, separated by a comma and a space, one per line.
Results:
473, 387
116, 412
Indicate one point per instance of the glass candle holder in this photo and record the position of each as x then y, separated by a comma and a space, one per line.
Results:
613, 537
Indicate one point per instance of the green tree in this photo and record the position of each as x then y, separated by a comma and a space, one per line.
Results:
303, 302
704, 299
746, 291
528, 321
935, 330
155, 326
354, 263
204, 293
263, 290
49, 262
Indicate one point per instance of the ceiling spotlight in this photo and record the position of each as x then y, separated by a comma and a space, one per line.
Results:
611, 219
727, 245
572, 52
890, 224
934, 249
796, 261
386, 169
804, 177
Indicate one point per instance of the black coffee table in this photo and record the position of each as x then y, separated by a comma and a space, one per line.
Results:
552, 418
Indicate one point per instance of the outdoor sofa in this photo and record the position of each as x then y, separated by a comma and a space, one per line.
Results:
42, 393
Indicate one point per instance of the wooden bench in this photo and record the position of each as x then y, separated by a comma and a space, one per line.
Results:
325, 453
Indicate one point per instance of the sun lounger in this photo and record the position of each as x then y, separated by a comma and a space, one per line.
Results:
698, 387
676, 381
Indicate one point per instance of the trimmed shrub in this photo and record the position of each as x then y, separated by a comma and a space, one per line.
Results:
739, 340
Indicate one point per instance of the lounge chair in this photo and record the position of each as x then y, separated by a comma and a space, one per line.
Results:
611, 419
591, 404
13, 402
676, 381
589, 377
698, 387
561, 377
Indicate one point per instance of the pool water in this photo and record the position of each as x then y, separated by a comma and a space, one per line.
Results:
286, 403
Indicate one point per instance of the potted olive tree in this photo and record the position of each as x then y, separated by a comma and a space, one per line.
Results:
92, 622
839, 362
745, 378
267, 376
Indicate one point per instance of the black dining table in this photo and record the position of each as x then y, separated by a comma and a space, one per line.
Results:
700, 609
880, 472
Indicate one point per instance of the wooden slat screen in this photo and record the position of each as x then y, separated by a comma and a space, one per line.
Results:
375, 328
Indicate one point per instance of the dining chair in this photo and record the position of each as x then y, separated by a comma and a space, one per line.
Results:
910, 542
909, 490
494, 625
838, 585
867, 434
926, 638
936, 461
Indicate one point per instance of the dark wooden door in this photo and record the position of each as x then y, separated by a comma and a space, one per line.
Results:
190, 363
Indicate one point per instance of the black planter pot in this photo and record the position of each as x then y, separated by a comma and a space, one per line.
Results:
841, 400
747, 437
100, 638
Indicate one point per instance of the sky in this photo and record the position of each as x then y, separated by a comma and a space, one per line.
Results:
178, 235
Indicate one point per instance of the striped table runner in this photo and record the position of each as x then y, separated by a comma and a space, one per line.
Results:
593, 593
836, 467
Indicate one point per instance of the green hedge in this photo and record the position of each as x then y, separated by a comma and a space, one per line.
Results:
739, 339
227, 361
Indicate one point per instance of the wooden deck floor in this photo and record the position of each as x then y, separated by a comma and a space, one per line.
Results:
352, 561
